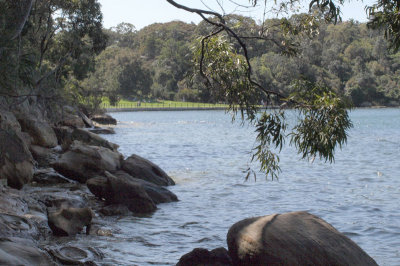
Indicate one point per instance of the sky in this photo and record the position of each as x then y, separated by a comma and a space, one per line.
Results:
141, 13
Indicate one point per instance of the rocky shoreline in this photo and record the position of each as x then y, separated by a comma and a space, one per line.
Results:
61, 179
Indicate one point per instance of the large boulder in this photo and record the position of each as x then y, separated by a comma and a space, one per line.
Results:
16, 162
122, 191
82, 162
92, 139
43, 156
104, 119
141, 168
67, 135
47, 176
70, 221
157, 193
41, 132
201, 256
20, 251
296, 238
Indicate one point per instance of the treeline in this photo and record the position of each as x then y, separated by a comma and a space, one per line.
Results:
156, 62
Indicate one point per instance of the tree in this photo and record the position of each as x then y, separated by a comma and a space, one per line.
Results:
228, 73
46, 46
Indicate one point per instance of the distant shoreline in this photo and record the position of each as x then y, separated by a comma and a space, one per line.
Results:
145, 109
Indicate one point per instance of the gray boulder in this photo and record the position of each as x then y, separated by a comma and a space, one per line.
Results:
16, 162
41, 132
43, 156
82, 162
122, 191
296, 238
70, 221
67, 135
201, 256
141, 168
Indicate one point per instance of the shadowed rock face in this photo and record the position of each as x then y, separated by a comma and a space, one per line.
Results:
296, 238
141, 168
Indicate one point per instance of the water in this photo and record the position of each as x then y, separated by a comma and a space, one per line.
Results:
207, 156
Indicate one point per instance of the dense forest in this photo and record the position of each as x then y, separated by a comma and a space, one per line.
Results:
156, 62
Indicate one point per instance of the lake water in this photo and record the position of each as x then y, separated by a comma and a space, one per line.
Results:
207, 156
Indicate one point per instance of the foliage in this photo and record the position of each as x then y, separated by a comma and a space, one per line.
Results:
54, 41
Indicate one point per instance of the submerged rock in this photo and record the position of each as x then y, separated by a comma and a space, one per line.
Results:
83, 162
70, 221
141, 168
296, 238
201, 256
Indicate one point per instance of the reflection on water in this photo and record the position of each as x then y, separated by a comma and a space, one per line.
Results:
206, 155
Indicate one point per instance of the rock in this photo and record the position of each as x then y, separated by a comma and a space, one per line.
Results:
86, 120
82, 162
41, 132
104, 119
70, 221
43, 156
21, 251
157, 193
296, 238
106, 131
67, 135
141, 168
9, 122
92, 139
12, 225
48, 176
16, 162
69, 255
121, 191
115, 210
71, 120
201, 256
